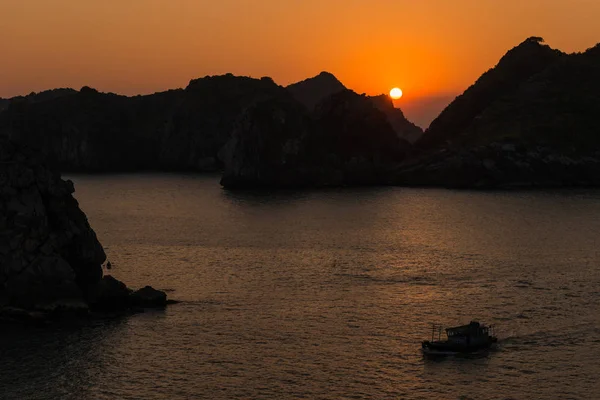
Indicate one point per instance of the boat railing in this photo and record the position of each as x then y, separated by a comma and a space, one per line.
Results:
436, 329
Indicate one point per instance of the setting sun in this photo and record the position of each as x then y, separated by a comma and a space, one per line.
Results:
395, 93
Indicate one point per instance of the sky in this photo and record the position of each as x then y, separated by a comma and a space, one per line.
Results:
431, 49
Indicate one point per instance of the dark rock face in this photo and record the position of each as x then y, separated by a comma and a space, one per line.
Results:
405, 129
503, 165
176, 130
345, 141
257, 130
109, 294
50, 258
269, 146
3, 104
355, 138
557, 108
312, 91
148, 297
514, 69
544, 132
315, 90
48, 251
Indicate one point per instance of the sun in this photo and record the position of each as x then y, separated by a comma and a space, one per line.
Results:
395, 93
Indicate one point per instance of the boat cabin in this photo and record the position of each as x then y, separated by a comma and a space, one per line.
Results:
465, 338
473, 333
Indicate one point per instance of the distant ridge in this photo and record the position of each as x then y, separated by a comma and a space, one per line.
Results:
531, 121
312, 91
403, 127
176, 130
516, 67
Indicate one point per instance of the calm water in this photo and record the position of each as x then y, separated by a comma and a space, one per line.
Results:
327, 294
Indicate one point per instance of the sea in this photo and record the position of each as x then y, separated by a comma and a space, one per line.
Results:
326, 294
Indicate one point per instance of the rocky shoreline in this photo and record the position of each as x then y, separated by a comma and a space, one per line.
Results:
501, 165
50, 258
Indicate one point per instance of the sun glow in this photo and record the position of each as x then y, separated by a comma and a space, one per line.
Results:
395, 93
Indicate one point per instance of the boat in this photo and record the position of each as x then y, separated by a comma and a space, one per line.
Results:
464, 339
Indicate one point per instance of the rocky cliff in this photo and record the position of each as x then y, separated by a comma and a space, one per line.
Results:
345, 141
541, 130
312, 91
101, 132
50, 258
269, 146
512, 71
537, 100
48, 251
403, 127
177, 130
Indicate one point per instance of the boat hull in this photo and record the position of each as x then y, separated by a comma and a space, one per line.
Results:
448, 348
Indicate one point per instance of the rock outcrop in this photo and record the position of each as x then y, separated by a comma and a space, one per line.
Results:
503, 164
536, 124
513, 70
312, 91
177, 130
188, 130
50, 258
405, 129
148, 297
269, 147
347, 140
316, 132
355, 140
4, 104
48, 251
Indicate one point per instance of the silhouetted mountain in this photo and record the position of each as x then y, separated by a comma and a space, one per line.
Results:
313, 90
50, 258
48, 251
403, 127
269, 146
345, 141
531, 120
515, 68
173, 130
423, 110
354, 130
34, 97
541, 132
187, 129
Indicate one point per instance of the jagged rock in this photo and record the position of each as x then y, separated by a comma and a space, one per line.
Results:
148, 297
109, 294
530, 121
19, 315
268, 146
72, 307
312, 91
177, 130
354, 137
47, 248
50, 258
515, 68
405, 129
345, 141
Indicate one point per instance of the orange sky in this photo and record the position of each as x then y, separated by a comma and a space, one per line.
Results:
429, 48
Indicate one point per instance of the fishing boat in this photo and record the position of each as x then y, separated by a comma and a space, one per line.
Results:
461, 339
